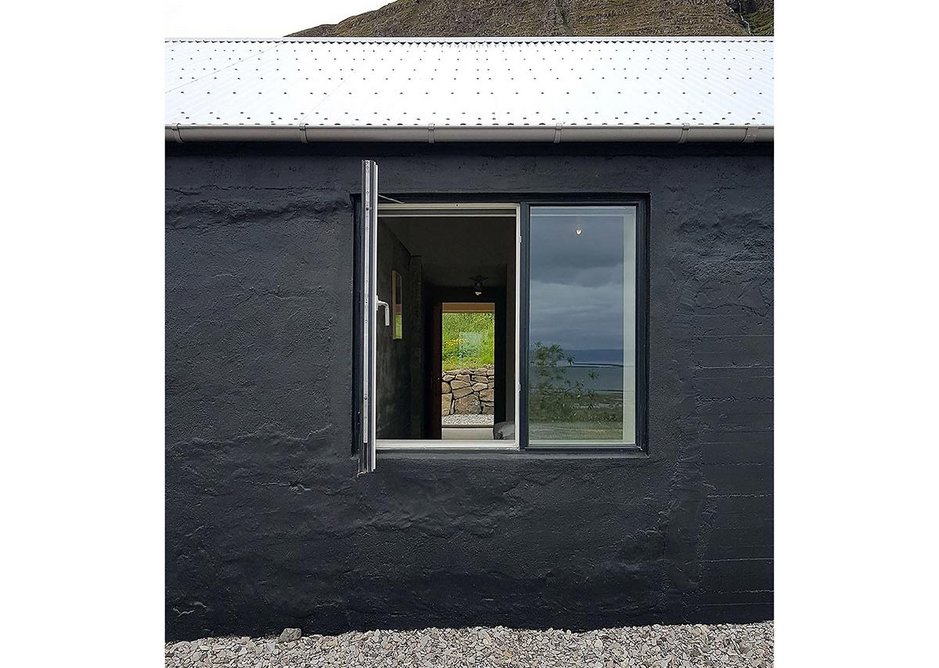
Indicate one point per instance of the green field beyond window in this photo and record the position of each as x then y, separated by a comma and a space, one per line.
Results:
468, 340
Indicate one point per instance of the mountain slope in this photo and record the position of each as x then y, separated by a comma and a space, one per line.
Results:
521, 18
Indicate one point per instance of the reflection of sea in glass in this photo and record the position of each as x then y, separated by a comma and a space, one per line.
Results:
582, 325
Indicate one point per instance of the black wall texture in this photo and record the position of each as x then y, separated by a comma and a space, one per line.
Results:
267, 525
396, 385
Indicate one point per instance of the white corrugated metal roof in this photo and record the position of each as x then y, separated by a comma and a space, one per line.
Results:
326, 86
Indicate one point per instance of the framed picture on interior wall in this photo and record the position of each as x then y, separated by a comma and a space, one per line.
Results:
396, 301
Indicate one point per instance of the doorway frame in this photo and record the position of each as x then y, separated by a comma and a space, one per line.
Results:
443, 295
475, 210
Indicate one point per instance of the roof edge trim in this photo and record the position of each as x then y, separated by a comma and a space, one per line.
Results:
485, 40
436, 134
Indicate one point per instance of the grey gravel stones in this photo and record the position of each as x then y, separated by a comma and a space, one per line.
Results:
467, 420
682, 646
289, 635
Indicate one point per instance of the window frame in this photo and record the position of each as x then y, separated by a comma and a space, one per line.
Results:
453, 207
522, 447
641, 205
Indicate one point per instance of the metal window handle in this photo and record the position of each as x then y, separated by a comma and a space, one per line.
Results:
380, 304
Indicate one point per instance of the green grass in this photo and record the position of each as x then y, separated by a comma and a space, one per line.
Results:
468, 340
761, 23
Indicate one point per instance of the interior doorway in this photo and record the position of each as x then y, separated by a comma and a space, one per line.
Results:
468, 370
445, 366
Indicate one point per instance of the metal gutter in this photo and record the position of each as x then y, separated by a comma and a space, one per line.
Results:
433, 134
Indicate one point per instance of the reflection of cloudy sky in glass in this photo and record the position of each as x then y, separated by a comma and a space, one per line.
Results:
578, 282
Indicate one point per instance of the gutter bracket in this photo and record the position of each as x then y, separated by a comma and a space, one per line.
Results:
557, 133
684, 133
750, 137
430, 133
303, 139
175, 129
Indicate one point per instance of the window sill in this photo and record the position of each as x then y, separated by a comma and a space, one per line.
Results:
466, 450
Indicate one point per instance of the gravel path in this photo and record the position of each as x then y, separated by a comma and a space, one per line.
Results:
687, 646
462, 419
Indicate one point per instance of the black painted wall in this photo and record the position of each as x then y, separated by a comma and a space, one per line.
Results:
399, 372
267, 525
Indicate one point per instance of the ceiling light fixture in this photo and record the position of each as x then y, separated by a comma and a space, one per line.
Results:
478, 284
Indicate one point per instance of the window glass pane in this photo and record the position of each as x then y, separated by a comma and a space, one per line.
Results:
581, 337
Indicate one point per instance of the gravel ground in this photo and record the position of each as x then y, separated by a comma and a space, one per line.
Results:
687, 646
462, 419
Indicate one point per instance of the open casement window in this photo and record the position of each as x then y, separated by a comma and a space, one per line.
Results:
550, 293
370, 304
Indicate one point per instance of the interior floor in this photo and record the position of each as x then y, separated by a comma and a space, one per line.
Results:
467, 433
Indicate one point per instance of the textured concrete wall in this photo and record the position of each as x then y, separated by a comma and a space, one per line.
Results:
399, 416
267, 525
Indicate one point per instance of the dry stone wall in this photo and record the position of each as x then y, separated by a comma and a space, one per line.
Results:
468, 391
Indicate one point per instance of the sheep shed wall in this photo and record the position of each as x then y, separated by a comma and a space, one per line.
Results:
267, 525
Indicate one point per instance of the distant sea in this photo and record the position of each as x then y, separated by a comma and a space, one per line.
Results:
606, 365
607, 377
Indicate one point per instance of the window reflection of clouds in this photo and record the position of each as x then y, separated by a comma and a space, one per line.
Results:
578, 287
